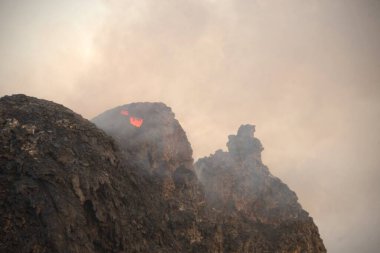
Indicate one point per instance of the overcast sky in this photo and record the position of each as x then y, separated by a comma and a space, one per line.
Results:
305, 72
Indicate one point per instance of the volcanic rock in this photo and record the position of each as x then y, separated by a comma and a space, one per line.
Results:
159, 144
67, 186
159, 148
60, 181
253, 202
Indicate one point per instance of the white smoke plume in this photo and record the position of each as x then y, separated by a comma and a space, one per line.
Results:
306, 73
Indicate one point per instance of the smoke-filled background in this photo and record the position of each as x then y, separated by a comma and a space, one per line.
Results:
307, 73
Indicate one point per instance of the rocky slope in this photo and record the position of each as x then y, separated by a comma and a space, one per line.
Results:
67, 186
60, 181
158, 146
240, 187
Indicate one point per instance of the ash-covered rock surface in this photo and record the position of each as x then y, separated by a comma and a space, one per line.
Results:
67, 186
258, 210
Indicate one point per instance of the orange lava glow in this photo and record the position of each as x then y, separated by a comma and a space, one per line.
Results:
124, 112
137, 122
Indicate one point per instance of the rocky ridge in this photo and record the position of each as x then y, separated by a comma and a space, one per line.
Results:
159, 148
240, 187
67, 186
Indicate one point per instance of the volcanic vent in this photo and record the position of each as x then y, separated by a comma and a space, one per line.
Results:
160, 149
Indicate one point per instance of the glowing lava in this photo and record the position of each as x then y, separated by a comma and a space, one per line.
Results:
124, 112
137, 122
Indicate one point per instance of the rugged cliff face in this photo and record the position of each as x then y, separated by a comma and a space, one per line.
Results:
62, 187
67, 186
240, 187
158, 146
157, 142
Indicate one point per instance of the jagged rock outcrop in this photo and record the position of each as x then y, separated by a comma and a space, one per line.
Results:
159, 143
159, 147
251, 200
67, 186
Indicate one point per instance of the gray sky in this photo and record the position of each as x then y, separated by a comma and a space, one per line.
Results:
305, 72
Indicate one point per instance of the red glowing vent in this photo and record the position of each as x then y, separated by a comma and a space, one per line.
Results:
124, 112
134, 121
137, 122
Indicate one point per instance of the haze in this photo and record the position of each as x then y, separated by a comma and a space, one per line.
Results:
306, 73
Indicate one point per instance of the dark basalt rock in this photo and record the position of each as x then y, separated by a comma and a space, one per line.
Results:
62, 187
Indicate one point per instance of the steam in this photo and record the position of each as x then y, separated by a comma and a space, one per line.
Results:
304, 72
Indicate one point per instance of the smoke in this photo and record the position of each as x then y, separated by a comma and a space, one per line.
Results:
304, 72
